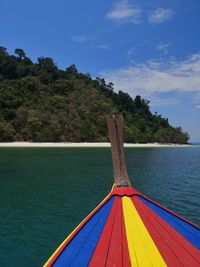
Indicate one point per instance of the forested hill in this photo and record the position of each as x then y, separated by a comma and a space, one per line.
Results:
39, 102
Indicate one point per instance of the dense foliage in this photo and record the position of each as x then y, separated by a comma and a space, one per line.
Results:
39, 102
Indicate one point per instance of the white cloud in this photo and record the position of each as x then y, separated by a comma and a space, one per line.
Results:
196, 100
125, 12
157, 76
102, 46
82, 39
86, 39
147, 47
158, 101
160, 15
163, 48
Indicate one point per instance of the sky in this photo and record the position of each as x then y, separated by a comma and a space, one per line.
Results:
150, 48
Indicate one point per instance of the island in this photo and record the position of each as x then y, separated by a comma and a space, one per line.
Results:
41, 103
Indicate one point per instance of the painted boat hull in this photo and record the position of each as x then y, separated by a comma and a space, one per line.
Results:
128, 229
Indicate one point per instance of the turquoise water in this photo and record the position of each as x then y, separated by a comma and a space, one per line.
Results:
46, 192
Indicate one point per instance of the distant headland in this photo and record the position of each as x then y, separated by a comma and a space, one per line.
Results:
42, 103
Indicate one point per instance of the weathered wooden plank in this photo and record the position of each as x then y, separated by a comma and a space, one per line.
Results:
115, 127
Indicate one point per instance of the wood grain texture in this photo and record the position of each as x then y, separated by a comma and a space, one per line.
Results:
115, 127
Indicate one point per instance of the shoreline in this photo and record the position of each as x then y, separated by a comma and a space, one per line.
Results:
37, 144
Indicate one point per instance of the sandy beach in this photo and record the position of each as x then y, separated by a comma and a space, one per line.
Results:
30, 144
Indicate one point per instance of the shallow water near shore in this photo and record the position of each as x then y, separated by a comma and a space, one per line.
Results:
46, 192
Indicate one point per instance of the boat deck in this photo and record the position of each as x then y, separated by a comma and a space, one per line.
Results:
128, 229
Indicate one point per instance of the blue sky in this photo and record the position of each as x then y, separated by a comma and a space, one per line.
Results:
151, 48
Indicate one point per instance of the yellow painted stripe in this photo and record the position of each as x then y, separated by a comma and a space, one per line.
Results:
142, 249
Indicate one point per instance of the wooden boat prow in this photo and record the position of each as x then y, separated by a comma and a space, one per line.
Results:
128, 229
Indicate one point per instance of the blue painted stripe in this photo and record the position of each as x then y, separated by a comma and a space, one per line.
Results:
190, 232
80, 250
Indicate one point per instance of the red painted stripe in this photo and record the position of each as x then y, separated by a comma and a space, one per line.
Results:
125, 191
100, 254
70, 237
171, 212
114, 255
118, 254
112, 249
174, 248
130, 191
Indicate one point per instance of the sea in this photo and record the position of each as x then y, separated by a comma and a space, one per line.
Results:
46, 192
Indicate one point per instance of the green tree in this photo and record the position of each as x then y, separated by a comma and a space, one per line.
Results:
20, 52
7, 132
125, 101
39, 102
47, 63
31, 84
72, 69
3, 51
